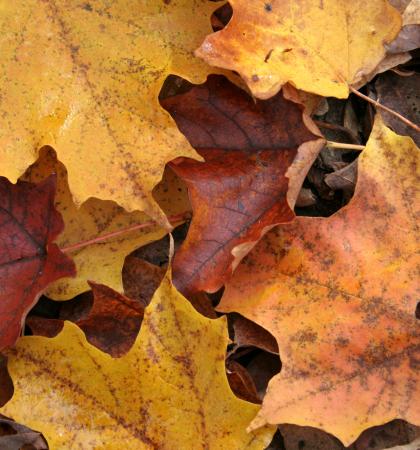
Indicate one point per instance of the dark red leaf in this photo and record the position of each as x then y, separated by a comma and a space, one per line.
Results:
29, 261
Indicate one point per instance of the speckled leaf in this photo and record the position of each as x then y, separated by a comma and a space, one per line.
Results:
101, 262
240, 191
340, 294
84, 77
169, 391
29, 261
319, 46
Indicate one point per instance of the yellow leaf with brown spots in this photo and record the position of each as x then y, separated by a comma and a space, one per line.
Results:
320, 46
340, 294
102, 262
169, 391
84, 77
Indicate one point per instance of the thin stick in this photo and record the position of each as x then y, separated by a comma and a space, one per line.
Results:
112, 234
385, 108
332, 144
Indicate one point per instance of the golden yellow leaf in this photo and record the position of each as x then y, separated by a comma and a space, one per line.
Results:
169, 391
319, 46
339, 294
84, 77
101, 262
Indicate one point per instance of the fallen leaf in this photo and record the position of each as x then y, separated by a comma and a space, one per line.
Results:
101, 262
14, 436
400, 94
320, 46
398, 50
339, 295
111, 325
240, 191
141, 279
29, 261
247, 333
84, 77
241, 382
169, 391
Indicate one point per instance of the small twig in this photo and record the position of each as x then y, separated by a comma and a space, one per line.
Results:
332, 144
104, 237
333, 126
385, 108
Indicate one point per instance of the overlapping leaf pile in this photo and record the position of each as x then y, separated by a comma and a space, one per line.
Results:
102, 154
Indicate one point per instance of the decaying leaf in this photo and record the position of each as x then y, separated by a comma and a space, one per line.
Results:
14, 436
111, 325
84, 77
340, 294
101, 262
400, 94
320, 46
169, 391
29, 260
240, 191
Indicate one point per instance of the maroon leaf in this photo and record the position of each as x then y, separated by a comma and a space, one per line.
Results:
29, 261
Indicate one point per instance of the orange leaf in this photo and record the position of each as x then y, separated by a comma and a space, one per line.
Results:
319, 46
339, 295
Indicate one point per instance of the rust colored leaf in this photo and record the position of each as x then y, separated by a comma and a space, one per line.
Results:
112, 324
240, 191
340, 294
29, 261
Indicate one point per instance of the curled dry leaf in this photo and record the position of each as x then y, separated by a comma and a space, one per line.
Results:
247, 333
241, 382
84, 77
400, 94
169, 391
102, 261
320, 46
14, 436
29, 261
340, 294
240, 191
111, 325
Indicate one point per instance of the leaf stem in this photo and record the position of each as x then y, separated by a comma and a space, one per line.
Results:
385, 108
333, 144
139, 226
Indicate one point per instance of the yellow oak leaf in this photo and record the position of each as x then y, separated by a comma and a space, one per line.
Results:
320, 46
340, 294
84, 77
102, 262
169, 391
